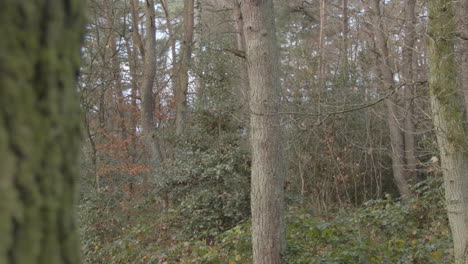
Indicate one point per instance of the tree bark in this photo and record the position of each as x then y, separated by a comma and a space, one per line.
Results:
114, 74
133, 64
197, 45
39, 130
409, 92
345, 30
321, 68
242, 85
396, 136
461, 50
183, 74
268, 229
137, 42
448, 121
172, 43
147, 95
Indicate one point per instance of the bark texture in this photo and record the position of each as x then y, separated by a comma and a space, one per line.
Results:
345, 30
448, 121
147, 96
267, 151
172, 42
39, 130
197, 46
137, 42
409, 92
241, 85
321, 68
183, 74
461, 49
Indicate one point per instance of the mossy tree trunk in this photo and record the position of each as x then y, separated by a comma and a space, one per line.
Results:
39, 130
448, 121
461, 49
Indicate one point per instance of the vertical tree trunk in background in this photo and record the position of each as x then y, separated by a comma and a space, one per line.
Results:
409, 92
94, 152
183, 74
133, 63
242, 85
268, 229
39, 130
147, 96
396, 136
112, 56
461, 50
172, 42
238, 25
137, 42
448, 121
345, 30
321, 82
197, 42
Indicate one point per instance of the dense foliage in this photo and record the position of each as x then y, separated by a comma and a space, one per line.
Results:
381, 231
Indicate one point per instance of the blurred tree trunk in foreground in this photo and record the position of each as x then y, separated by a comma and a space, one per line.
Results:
39, 130
448, 121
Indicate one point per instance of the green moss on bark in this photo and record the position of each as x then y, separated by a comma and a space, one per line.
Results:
448, 122
443, 74
39, 130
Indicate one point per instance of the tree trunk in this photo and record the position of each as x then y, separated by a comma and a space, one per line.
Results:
197, 42
137, 42
133, 63
396, 136
461, 50
137, 47
172, 42
345, 30
39, 130
183, 74
409, 93
448, 121
268, 229
242, 85
114, 75
320, 76
147, 96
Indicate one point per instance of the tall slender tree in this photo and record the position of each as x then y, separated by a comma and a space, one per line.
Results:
39, 130
461, 49
409, 93
197, 46
396, 135
183, 70
345, 31
241, 85
147, 95
448, 121
268, 231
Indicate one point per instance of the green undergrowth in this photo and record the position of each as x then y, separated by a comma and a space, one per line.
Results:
381, 231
